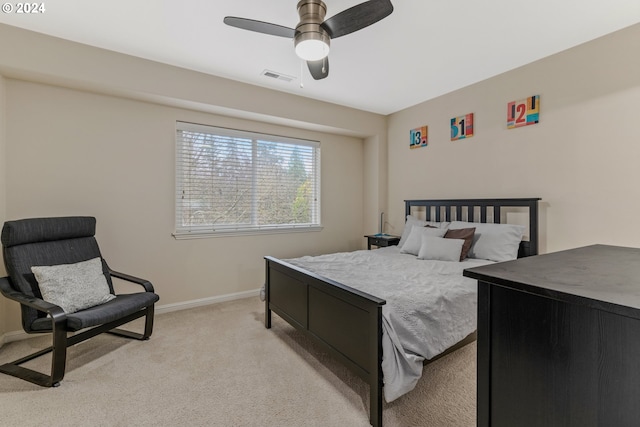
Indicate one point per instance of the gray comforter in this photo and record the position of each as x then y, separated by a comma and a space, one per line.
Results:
430, 305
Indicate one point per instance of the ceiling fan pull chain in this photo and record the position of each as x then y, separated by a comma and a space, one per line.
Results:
301, 73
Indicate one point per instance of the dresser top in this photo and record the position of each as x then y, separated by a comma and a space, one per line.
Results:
598, 276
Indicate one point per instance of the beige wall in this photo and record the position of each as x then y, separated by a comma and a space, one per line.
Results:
91, 132
581, 159
4, 303
3, 163
375, 182
113, 158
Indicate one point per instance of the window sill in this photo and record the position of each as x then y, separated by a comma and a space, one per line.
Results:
186, 235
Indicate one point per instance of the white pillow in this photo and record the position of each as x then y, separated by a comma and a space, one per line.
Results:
73, 287
495, 242
411, 221
440, 249
414, 241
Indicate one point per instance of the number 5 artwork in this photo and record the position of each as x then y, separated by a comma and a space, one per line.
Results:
462, 127
523, 112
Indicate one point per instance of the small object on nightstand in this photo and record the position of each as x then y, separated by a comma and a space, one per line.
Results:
381, 240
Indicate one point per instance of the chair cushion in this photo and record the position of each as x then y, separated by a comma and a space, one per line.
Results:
117, 308
75, 286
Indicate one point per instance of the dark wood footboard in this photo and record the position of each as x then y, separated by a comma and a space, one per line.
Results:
345, 321
348, 322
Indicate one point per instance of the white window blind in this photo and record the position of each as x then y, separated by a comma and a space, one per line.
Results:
231, 181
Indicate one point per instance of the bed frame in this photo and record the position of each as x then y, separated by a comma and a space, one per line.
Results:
347, 322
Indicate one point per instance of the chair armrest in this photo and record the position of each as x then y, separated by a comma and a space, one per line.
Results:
55, 311
148, 287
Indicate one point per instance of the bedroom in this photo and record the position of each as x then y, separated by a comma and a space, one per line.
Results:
117, 131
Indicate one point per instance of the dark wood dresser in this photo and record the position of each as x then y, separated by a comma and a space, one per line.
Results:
559, 339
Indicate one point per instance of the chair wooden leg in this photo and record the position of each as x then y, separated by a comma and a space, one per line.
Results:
59, 355
148, 326
58, 363
60, 343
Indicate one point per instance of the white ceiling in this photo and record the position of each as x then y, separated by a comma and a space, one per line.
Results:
422, 50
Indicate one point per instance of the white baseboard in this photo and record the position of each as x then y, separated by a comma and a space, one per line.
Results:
166, 308
14, 336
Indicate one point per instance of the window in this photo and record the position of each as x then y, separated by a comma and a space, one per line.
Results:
236, 182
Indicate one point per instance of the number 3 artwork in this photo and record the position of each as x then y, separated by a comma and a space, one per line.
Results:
523, 112
419, 137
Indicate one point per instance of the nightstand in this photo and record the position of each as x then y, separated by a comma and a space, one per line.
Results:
383, 240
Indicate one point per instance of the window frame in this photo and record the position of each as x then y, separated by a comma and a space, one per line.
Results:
221, 230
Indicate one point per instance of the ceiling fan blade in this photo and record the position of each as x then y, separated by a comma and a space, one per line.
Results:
357, 17
260, 27
319, 69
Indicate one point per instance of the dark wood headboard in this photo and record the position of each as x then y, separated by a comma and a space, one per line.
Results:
475, 210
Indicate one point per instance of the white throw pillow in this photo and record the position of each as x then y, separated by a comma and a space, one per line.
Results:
411, 221
495, 242
414, 241
73, 287
441, 249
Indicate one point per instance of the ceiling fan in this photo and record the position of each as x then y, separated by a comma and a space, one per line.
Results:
312, 36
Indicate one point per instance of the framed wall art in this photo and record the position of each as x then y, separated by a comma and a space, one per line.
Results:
523, 112
462, 127
419, 137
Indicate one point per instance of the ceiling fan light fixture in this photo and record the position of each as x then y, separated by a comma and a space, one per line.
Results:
312, 46
312, 36
311, 40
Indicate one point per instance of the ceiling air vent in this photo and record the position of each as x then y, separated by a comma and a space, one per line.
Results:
277, 76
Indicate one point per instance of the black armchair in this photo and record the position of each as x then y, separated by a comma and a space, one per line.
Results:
62, 241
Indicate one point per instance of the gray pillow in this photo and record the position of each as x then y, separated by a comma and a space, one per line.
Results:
414, 241
441, 249
73, 287
411, 221
495, 242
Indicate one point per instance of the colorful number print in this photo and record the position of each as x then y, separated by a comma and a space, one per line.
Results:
523, 112
462, 127
419, 137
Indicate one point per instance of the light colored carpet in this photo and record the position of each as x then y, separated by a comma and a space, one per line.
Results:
218, 366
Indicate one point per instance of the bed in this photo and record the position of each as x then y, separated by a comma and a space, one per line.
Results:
348, 321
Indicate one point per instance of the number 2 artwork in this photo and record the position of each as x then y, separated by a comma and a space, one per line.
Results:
523, 112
